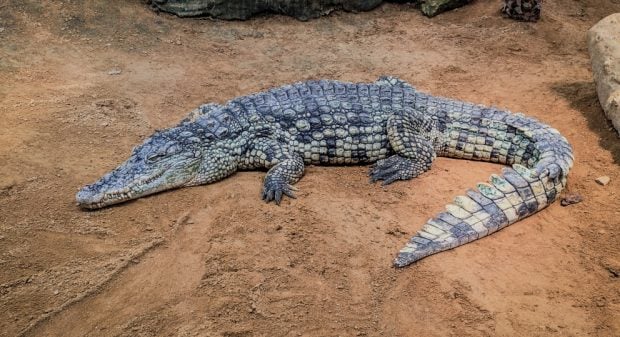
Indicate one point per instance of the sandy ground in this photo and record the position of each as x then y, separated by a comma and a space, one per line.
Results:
215, 260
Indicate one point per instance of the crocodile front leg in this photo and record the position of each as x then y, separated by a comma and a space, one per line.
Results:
285, 166
409, 138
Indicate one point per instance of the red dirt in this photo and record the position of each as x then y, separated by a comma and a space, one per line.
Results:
215, 260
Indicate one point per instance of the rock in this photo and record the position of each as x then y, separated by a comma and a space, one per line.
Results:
522, 10
603, 180
604, 46
431, 8
114, 71
243, 9
300, 9
571, 199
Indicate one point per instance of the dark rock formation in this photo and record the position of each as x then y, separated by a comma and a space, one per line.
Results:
431, 8
243, 9
300, 9
523, 10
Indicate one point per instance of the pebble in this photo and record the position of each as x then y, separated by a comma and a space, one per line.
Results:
570, 199
1, 29
114, 71
603, 180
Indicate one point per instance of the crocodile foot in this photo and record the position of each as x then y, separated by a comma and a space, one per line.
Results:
393, 168
273, 189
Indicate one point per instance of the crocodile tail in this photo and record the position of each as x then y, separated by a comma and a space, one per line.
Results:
507, 198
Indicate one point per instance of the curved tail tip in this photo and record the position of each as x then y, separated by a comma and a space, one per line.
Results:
401, 261
406, 258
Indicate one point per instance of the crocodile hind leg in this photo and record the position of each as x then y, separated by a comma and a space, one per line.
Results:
414, 152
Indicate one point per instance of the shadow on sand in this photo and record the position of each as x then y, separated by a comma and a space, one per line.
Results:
582, 97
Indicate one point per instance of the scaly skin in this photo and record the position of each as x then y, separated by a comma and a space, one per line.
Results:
386, 122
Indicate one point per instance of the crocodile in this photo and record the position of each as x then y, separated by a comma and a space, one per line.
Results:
387, 123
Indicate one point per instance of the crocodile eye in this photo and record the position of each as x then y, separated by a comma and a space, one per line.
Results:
162, 152
153, 157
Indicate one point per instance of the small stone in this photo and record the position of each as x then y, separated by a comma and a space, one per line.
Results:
571, 199
1, 29
114, 71
56, 292
603, 180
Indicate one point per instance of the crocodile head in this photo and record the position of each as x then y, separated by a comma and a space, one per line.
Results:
187, 155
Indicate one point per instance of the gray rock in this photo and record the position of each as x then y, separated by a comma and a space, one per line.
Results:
522, 10
243, 9
604, 46
570, 199
114, 71
431, 8
603, 180
300, 9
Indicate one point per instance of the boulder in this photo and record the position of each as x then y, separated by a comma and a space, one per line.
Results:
431, 8
243, 9
300, 9
522, 10
604, 46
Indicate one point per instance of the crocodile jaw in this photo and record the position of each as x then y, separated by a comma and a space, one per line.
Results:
114, 188
127, 183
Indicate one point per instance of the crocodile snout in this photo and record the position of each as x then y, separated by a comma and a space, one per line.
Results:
88, 196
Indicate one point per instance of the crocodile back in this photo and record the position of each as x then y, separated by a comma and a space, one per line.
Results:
330, 122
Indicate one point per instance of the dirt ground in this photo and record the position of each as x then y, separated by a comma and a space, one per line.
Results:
215, 260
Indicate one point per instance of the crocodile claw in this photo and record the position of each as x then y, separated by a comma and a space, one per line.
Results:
274, 190
391, 169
